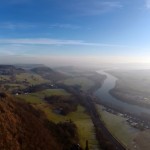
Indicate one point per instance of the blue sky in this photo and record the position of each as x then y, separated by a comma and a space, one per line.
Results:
86, 29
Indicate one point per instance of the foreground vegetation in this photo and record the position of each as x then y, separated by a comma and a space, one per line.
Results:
22, 127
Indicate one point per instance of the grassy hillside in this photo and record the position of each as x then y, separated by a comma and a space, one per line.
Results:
20, 81
31, 78
13, 78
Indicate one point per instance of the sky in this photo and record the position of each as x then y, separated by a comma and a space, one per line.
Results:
74, 31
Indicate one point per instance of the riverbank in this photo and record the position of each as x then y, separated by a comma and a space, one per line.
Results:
130, 97
107, 99
117, 124
132, 87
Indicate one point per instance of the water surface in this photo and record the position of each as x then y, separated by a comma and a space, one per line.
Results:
107, 98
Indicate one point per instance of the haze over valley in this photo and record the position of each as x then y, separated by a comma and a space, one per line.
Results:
74, 75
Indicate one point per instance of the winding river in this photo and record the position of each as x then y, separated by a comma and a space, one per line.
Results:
107, 99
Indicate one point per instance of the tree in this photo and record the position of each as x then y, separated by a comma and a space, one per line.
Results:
87, 145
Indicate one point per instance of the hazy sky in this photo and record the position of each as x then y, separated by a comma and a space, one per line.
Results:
75, 30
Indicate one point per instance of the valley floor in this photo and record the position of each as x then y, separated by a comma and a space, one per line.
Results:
79, 117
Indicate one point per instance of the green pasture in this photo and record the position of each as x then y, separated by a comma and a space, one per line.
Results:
118, 126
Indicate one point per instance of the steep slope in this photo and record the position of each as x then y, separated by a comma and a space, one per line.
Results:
21, 127
24, 128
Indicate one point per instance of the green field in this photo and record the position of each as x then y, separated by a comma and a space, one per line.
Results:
28, 77
51, 92
37, 98
31, 78
79, 117
31, 98
84, 82
118, 126
21, 81
85, 127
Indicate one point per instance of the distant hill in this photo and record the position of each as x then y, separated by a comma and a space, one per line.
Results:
74, 71
67, 70
48, 73
28, 66
24, 128
6, 66
10, 70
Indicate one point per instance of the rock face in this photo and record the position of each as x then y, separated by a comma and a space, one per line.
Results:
22, 127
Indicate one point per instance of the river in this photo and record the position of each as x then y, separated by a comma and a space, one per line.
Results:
107, 99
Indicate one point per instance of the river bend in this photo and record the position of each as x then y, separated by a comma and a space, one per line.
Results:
106, 98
